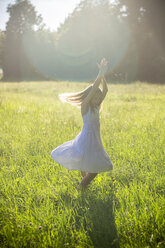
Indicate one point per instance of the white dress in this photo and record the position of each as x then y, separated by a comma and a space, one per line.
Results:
85, 152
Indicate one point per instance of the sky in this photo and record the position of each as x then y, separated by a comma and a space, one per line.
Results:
53, 12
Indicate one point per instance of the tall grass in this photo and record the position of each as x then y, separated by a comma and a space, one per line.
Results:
40, 205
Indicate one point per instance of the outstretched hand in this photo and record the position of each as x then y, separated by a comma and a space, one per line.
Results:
103, 66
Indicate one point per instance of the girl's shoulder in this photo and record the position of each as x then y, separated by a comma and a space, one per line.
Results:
90, 111
84, 110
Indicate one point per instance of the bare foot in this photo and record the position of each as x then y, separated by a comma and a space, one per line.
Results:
83, 173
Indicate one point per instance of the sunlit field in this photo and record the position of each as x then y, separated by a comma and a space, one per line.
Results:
40, 205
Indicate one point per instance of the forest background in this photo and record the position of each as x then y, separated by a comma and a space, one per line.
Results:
130, 34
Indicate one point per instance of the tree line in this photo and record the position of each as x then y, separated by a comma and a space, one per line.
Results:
130, 34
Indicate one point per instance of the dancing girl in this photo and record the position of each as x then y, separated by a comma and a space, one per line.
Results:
86, 152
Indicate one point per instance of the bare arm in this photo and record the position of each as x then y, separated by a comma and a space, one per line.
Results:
86, 101
92, 92
104, 87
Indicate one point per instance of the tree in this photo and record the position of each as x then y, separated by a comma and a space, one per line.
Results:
146, 20
23, 19
2, 42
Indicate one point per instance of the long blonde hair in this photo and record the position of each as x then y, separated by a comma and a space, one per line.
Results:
78, 97
75, 98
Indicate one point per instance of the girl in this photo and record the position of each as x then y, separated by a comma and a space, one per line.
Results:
86, 152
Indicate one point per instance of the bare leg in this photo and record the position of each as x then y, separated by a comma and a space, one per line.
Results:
86, 180
83, 173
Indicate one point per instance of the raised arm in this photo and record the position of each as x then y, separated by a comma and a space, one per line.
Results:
103, 67
104, 87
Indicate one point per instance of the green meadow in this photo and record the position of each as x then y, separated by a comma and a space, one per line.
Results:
40, 205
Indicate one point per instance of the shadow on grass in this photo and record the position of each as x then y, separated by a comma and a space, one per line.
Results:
96, 214
103, 231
